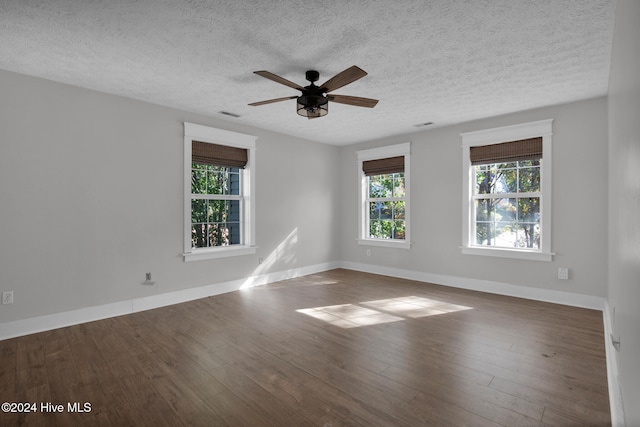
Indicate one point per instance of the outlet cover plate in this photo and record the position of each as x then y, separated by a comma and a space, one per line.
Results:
7, 297
563, 273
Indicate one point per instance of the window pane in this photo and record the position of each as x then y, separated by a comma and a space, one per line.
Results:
505, 209
496, 179
483, 180
528, 236
215, 180
529, 179
233, 211
198, 235
398, 210
506, 181
398, 230
380, 210
529, 210
374, 210
484, 232
223, 180
234, 182
234, 233
198, 179
398, 185
505, 235
484, 210
217, 233
386, 210
380, 229
198, 211
380, 186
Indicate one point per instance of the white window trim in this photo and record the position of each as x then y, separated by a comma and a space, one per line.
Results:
382, 153
542, 128
233, 139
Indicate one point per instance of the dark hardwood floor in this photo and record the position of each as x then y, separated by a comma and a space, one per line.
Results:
330, 349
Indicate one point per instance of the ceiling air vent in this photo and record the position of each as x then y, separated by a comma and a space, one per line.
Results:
226, 113
419, 125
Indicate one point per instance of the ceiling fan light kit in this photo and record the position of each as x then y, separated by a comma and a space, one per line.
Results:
312, 106
314, 101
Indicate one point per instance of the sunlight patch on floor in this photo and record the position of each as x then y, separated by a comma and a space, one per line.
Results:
380, 311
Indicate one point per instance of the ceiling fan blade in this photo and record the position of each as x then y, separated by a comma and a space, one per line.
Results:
353, 100
343, 78
269, 101
278, 79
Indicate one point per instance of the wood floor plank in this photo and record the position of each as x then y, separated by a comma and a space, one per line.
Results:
334, 348
258, 399
233, 411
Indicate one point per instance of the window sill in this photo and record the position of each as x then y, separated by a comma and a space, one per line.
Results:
222, 252
400, 244
508, 253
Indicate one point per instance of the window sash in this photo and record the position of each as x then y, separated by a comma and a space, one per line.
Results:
239, 222
493, 222
368, 200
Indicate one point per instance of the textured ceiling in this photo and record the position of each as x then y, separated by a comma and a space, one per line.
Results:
441, 61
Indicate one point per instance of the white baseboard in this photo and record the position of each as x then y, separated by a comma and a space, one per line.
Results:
89, 314
615, 393
546, 295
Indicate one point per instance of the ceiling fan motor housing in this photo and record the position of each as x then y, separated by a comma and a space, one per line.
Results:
312, 75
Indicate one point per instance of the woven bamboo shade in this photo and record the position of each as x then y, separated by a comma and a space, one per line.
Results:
513, 151
218, 155
383, 166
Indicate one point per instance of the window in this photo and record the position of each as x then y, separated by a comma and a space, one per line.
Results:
507, 191
384, 196
219, 181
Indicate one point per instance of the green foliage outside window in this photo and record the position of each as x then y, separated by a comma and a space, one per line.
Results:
387, 214
214, 221
512, 220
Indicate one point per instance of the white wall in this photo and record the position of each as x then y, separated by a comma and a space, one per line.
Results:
579, 232
624, 202
91, 199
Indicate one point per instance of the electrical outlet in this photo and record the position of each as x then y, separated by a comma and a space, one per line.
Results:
368, 252
563, 273
147, 280
7, 297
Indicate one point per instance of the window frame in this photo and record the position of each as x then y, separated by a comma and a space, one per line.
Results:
363, 208
543, 129
206, 134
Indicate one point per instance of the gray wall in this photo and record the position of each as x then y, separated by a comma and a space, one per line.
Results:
91, 198
624, 202
579, 230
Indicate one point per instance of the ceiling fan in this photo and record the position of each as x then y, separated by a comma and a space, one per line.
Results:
314, 101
